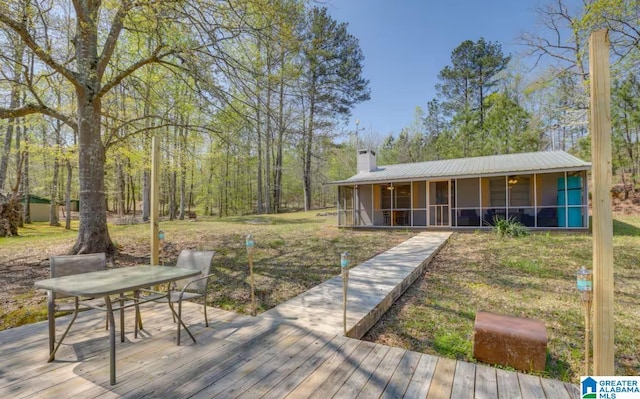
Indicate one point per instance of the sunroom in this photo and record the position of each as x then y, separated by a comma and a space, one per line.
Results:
541, 190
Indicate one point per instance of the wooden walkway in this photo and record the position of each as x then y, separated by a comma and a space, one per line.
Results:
242, 357
373, 287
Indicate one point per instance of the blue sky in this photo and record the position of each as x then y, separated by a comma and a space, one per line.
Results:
407, 42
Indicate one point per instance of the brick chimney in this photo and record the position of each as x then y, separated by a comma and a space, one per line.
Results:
366, 161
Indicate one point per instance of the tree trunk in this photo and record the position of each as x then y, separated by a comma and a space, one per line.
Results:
306, 178
93, 235
183, 170
25, 180
67, 196
146, 188
121, 187
13, 104
268, 137
260, 198
53, 207
277, 184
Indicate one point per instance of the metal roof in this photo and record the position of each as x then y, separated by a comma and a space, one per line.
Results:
531, 162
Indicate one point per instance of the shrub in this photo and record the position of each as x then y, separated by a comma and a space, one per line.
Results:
509, 227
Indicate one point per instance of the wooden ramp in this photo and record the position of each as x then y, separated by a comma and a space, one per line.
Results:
241, 357
373, 287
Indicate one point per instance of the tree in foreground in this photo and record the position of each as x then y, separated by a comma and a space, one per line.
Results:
112, 41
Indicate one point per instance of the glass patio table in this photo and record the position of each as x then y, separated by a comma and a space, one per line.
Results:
109, 282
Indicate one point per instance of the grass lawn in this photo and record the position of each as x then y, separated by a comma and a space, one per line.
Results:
533, 276
294, 252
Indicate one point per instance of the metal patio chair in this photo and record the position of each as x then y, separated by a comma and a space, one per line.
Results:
66, 265
191, 288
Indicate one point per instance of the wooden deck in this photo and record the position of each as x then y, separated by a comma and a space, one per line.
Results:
245, 357
373, 287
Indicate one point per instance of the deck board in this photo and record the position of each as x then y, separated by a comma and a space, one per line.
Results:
508, 385
362, 373
422, 376
465, 377
442, 382
246, 357
399, 382
311, 382
379, 379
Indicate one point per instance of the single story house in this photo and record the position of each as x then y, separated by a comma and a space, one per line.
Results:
540, 189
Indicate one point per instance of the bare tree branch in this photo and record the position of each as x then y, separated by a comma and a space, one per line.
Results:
21, 30
112, 37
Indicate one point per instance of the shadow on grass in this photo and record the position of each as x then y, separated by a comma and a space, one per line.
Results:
625, 229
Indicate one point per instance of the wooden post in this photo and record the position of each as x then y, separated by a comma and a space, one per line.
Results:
600, 124
155, 201
587, 330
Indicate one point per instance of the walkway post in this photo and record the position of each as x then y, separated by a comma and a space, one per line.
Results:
344, 265
600, 123
250, 246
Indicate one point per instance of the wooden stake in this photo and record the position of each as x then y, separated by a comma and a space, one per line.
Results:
600, 123
587, 329
345, 282
253, 285
344, 266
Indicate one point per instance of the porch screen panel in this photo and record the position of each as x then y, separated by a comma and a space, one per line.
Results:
547, 199
521, 199
468, 199
439, 203
419, 203
345, 206
364, 214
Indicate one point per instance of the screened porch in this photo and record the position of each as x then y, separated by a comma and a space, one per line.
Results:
543, 200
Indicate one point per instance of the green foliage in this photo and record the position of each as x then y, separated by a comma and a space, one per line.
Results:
452, 344
508, 227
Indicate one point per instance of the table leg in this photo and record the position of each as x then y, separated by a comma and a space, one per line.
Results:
112, 340
52, 324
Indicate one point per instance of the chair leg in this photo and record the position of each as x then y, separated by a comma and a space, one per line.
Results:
173, 312
206, 319
121, 300
181, 323
138, 321
180, 319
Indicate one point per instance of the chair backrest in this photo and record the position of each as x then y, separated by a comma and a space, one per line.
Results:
66, 265
198, 260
